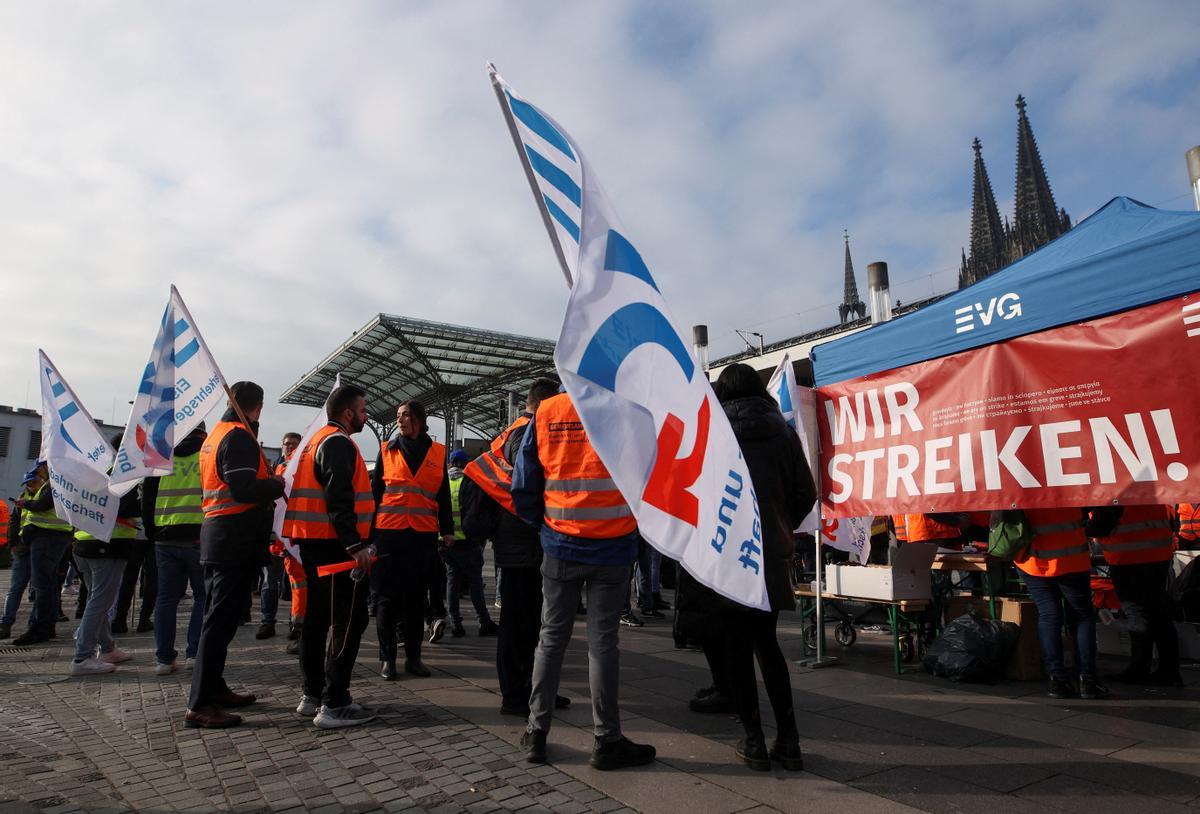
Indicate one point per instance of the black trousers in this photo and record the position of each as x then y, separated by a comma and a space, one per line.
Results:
1142, 590
754, 636
718, 663
407, 568
225, 590
520, 624
141, 561
334, 622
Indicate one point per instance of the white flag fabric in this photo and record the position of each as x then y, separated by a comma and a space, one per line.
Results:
179, 387
319, 420
78, 456
852, 534
799, 408
646, 404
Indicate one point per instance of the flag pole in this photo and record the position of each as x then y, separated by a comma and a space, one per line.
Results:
237, 408
533, 185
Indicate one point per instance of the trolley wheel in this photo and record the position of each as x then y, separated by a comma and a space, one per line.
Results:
908, 649
810, 638
845, 634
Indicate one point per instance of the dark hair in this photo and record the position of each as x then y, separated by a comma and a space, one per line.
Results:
248, 395
418, 410
739, 381
341, 399
295, 435
540, 389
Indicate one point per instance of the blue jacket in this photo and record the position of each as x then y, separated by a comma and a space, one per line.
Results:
528, 486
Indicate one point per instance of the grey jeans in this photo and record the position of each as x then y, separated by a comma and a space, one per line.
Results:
562, 584
103, 578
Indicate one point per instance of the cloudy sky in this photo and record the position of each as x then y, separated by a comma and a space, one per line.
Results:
296, 168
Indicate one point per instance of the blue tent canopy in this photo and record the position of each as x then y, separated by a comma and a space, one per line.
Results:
1125, 255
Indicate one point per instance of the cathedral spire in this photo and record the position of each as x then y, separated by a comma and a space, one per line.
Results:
988, 235
851, 304
1037, 219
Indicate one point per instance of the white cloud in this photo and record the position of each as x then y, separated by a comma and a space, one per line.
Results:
296, 169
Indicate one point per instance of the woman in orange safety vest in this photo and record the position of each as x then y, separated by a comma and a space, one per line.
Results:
1057, 569
413, 492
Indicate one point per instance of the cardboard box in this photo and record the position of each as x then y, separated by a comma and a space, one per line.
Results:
906, 578
1113, 639
1025, 663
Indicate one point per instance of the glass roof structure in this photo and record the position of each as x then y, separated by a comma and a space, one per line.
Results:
466, 376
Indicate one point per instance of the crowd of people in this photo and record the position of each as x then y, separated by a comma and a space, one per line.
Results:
404, 543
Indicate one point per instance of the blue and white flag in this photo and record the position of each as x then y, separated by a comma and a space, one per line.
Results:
180, 385
646, 404
78, 456
799, 409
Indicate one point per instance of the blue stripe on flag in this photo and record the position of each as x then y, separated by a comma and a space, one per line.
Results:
187, 352
536, 122
620, 255
66, 412
562, 217
57, 389
180, 326
625, 330
561, 181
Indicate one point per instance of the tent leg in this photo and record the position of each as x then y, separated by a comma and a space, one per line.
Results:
820, 660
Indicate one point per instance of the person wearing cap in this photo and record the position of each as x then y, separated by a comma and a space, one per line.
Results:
238, 499
49, 538
20, 554
172, 516
464, 560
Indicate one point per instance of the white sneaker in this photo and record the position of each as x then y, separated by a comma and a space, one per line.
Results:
189, 663
115, 656
437, 629
91, 666
337, 717
161, 669
308, 706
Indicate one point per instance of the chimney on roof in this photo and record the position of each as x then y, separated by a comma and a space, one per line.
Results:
1193, 162
700, 345
879, 294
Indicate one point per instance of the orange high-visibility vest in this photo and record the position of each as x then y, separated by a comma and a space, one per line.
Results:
580, 496
493, 472
410, 501
216, 499
307, 516
299, 582
1143, 535
1189, 522
900, 526
1058, 546
923, 528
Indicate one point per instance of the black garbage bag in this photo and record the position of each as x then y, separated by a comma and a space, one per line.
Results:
972, 649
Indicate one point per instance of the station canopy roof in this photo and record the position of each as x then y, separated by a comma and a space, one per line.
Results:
449, 368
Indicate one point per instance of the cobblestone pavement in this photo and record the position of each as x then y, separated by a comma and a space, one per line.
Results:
873, 741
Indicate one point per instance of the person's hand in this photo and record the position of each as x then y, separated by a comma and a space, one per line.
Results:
20, 503
448, 540
362, 558
279, 479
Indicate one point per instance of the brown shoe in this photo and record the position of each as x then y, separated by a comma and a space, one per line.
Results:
210, 717
229, 698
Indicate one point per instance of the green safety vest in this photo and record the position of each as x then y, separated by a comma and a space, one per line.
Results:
124, 529
179, 495
43, 520
455, 485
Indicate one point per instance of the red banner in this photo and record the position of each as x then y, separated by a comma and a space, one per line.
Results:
1103, 411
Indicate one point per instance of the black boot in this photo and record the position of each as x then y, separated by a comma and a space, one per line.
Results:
388, 671
1061, 687
786, 748
752, 749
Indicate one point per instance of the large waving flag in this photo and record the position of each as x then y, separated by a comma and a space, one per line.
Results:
646, 405
180, 385
799, 409
319, 420
78, 456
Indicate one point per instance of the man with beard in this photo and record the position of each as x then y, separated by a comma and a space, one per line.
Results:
329, 515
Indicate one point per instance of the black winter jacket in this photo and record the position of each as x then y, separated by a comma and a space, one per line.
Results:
515, 543
782, 482
241, 539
